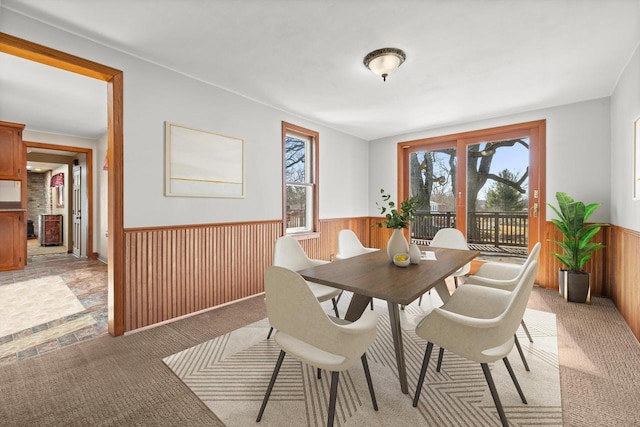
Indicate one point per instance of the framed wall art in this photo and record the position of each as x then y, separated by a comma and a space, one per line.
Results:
636, 157
202, 164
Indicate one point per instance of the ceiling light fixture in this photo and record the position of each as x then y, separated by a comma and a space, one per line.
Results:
384, 61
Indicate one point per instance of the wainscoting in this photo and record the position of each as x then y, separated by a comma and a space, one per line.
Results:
174, 271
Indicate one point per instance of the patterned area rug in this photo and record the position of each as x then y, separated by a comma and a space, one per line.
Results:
35, 302
230, 375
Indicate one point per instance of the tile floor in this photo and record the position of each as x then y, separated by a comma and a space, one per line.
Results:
87, 279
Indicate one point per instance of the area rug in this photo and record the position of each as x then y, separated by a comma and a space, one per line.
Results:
230, 375
34, 302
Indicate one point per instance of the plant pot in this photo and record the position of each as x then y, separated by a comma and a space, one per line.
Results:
575, 286
397, 244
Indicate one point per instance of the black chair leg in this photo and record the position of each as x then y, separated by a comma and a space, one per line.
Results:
420, 300
367, 374
271, 383
371, 304
526, 331
335, 306
423, 372
319, 374
335, 377
515, 381
440, 355
524, 361
455, 281
270, 331
494, 394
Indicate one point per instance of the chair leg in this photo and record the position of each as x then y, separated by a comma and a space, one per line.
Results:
271, 383
335, 306
514, 379
319, 374
367, 374
270, 331
423, 372
455, 281
440, 355
339, 296
494, 394
371, 304
420, 300
524, 361
335, 377
526, 331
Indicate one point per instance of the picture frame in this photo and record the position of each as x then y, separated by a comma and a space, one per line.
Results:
636, 157
200, 163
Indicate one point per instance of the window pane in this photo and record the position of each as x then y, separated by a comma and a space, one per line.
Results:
497, 192
432, 177
295, 159
299, 208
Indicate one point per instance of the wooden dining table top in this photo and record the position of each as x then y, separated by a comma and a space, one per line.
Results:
374, 275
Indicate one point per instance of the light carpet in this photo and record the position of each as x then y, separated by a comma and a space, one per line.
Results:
230, 375
34, 302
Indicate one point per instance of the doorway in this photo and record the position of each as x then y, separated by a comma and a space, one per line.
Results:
114, 78
488, 184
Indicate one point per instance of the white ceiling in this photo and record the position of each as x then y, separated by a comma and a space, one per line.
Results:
466, 59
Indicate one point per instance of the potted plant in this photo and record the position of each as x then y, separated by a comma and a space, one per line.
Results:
397, 220
577, 247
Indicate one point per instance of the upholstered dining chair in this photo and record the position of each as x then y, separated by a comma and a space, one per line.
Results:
451, 238
349, 246
306, 332
502, 275
479, 324
288, 253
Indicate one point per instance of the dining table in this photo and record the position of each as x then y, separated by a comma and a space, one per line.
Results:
374, 275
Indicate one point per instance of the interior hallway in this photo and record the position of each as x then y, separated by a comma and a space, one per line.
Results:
86, 278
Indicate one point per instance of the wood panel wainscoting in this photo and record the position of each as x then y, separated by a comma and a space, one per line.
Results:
179, 270
623, 272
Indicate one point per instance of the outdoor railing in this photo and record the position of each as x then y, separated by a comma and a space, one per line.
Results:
488, 228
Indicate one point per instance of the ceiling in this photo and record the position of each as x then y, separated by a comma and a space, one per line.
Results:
466, 59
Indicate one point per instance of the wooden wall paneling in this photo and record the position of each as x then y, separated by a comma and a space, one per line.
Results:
174, 271
623, 271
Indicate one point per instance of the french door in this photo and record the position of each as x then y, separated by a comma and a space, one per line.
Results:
488, 184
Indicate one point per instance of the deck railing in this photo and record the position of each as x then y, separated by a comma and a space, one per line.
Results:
487, 228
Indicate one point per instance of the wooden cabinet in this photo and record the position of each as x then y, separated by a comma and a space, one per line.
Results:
13, 222
13, 249
50, 230
12, 161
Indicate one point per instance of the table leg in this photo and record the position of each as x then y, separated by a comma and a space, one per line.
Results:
396, 331
356, 307
443, 291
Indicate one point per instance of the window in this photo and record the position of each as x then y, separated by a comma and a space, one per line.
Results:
300, 189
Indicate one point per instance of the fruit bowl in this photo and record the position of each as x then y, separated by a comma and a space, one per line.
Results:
401, 260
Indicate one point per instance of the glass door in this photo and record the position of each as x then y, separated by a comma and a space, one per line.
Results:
487, 183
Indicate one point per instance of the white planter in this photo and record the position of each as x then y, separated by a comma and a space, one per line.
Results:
397, 244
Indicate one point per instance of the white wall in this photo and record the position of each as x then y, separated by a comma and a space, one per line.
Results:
577, 160
625, 109
153, 95
101, 219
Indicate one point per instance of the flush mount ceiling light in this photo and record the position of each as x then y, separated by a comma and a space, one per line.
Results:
384, 61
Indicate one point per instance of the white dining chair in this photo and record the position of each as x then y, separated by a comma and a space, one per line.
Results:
502, 275
304, 331
288, 253
479, 324
349, 246
451, 238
